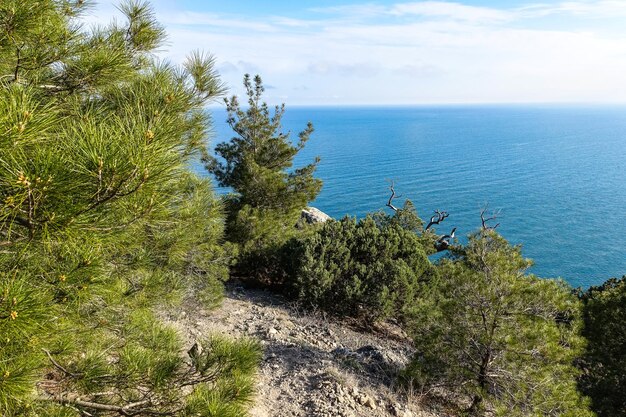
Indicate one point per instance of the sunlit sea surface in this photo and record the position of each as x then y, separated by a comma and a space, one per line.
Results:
557, 174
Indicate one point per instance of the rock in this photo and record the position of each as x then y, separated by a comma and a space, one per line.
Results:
399, 412
371, 353
341, 351
369, 402
313, 365
288, 324
312, 215
195, 351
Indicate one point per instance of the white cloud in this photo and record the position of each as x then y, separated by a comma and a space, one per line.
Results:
586, 9
455, 11
420, 70
418, 52
359, 69
354, 10
206, 19
240, 67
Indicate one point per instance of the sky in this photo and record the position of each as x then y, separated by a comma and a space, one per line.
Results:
332, 52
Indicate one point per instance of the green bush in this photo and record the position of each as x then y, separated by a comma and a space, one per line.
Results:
502, 340
360, 268
604, 362
260, 235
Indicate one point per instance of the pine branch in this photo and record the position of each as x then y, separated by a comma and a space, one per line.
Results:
131, 409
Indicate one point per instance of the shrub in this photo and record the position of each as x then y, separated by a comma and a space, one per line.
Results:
261, 235
360, 269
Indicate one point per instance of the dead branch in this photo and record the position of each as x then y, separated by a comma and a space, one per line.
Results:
393, 195
443, 242
58, 366
494, 216
131, 409
437, 218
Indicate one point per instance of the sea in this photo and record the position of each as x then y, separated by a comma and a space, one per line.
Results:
555, 175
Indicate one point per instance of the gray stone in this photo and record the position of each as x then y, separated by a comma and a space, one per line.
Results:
313, 215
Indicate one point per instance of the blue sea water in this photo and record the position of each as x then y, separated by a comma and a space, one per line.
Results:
557, 174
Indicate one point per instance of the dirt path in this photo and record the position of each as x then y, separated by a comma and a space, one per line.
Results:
312, 366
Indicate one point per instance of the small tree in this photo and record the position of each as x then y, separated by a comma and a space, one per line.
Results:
256, 162
268, 193
505, 339
604, 362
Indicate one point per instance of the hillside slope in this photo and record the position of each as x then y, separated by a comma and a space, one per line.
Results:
312, 365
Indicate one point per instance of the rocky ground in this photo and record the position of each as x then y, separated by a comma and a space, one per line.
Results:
312, 365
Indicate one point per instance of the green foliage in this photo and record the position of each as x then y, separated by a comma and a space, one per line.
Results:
268, 192
604, 362
100, 219
406, 218
255, 163
236, 363
504, 339
360, 268
261, 235
178, 249
22, 320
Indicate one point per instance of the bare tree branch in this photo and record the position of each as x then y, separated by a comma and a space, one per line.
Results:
131, 409
443, 242
393, 195
437, 218
58, 366
494, 216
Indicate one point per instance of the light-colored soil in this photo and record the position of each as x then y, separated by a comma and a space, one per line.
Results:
312, 366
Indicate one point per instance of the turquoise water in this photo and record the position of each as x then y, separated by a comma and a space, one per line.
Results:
557, 174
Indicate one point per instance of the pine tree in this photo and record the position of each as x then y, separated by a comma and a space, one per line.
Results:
100, 220
604, 362
269, 194
504, 339
255, 163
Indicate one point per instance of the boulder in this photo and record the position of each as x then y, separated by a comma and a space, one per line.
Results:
313, 215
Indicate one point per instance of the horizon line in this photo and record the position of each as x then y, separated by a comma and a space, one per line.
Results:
448, 104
